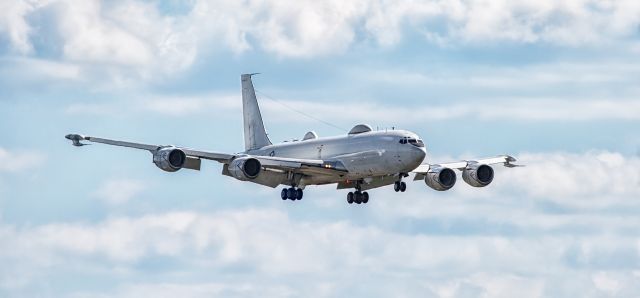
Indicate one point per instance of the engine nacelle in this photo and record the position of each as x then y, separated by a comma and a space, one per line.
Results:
245, 168
169, 159
440, 179
478, 175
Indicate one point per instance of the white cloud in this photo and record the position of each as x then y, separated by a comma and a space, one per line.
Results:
88, 37
17, 160
23, 70
14, 25
563, 183
119, 191
578, 177
497, 241
278, 254
135, 34
122, 40
308, 28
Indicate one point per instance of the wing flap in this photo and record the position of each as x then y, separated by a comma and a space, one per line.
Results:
192, 163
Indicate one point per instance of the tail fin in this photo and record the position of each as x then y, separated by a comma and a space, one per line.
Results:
254, 134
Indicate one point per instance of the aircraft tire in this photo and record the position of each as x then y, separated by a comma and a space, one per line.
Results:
283, 194
357, 197
291, 194
403, 186
365, 197
350, 198
396, 186
299, 194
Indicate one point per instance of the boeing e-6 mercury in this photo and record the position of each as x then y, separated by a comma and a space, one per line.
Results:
361, 160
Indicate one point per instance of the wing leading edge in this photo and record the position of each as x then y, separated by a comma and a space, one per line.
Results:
219, 157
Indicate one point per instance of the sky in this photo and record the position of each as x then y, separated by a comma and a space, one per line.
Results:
554, 83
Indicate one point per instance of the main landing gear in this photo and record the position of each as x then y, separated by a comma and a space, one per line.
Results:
291, 193
358, 197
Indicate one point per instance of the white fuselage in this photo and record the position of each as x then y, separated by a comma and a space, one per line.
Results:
368, 154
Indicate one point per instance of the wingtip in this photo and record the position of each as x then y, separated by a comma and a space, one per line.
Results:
73, 136
509, 162
75, 139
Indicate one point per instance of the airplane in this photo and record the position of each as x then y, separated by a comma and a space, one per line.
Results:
361, 160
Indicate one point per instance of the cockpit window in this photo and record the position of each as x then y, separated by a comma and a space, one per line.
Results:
412, 141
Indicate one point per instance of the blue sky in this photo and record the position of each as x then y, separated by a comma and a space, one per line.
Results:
554, 84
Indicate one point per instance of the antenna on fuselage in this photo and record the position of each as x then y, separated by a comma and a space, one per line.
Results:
299, 112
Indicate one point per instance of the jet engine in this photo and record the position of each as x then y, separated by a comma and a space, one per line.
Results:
478, 175
245, 168
440, 179
169, 159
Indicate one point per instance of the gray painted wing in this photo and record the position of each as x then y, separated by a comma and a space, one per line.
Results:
219, 157
506, 160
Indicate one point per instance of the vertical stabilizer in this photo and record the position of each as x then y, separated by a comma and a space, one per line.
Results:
255, 136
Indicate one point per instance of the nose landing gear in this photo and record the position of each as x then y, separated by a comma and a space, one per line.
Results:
400, 186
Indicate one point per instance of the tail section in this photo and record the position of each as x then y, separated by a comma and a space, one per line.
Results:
255, 136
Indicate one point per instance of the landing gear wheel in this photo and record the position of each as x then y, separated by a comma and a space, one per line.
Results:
350, 198
299, 194
283, 194
291, 194
365, 197
396, 186
403, 186
358, 197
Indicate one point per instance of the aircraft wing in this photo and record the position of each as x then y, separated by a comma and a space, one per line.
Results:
304, 166
506, 160
219, 157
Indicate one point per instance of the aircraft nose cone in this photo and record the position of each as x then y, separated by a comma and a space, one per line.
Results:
417, 156
420, 154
